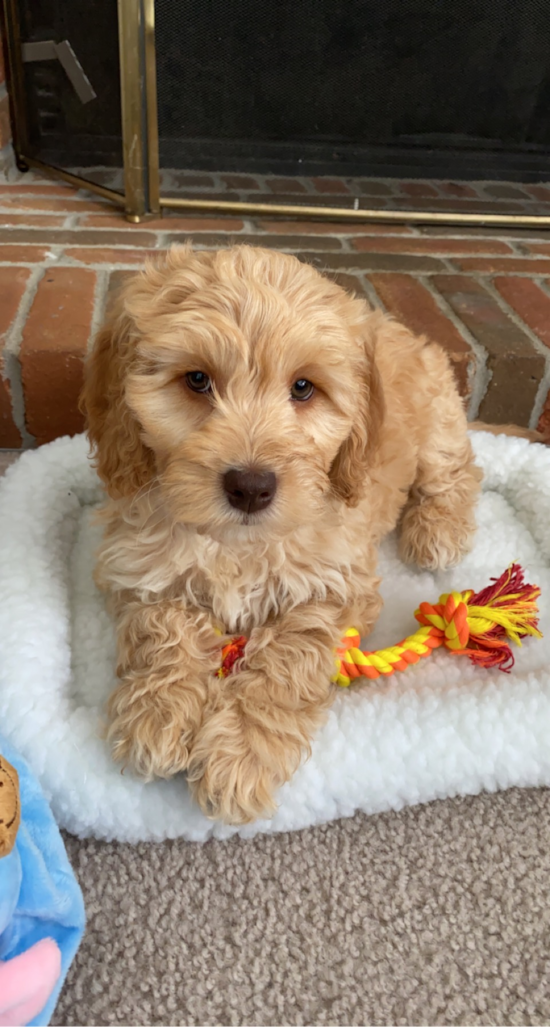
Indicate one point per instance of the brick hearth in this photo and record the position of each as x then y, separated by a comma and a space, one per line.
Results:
483, 294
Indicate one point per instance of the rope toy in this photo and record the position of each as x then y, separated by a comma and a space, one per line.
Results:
477, 625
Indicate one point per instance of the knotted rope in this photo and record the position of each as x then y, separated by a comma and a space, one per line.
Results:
476, 625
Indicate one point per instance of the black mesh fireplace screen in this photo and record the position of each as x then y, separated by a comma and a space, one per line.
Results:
409, 88
420, 87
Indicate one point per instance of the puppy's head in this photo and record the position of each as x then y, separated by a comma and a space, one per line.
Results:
242, 383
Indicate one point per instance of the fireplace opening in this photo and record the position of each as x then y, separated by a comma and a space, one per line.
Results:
405, 87
129, 95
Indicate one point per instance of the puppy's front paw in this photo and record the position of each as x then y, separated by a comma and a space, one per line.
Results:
148, 734
234, 769
236, 790
435, 534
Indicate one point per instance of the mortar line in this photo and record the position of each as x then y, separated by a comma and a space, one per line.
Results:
515, 245
72, 220
540, 347
14, 334
251, 227
374, 299
482, 375
99, 304
544, 285
261, 180
12, 364
53, 255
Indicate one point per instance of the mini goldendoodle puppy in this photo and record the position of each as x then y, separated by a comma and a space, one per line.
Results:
258, 432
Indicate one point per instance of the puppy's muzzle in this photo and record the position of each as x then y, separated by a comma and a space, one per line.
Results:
249, 490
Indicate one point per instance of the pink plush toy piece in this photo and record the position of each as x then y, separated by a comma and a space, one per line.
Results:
27, 981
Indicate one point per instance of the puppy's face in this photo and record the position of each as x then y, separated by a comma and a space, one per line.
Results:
248, 378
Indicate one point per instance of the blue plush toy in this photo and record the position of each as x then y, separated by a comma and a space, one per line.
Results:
41, 906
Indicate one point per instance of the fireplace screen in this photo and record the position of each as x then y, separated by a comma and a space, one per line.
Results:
65, 77
318, 86
126, 96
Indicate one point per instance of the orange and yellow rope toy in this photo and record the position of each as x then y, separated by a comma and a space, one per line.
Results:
479, 626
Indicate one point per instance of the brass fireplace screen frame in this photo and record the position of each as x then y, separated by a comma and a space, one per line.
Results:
142, 196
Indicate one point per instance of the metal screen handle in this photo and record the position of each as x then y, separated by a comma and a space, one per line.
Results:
48, 50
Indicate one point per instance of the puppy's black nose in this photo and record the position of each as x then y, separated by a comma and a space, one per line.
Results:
249, 491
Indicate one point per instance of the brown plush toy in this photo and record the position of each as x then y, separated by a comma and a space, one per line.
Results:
10, 807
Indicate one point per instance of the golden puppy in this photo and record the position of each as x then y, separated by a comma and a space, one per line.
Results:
258, 431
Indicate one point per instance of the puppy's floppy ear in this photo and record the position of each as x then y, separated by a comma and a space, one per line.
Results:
123, 462
348, 470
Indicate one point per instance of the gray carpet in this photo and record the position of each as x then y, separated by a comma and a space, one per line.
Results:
434, 915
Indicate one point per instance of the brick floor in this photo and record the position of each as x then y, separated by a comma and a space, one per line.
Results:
483, 293
384, 194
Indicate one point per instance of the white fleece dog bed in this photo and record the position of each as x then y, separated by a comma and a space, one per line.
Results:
443, 728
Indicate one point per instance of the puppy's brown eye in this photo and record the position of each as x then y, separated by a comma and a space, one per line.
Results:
198, 381
302, 389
